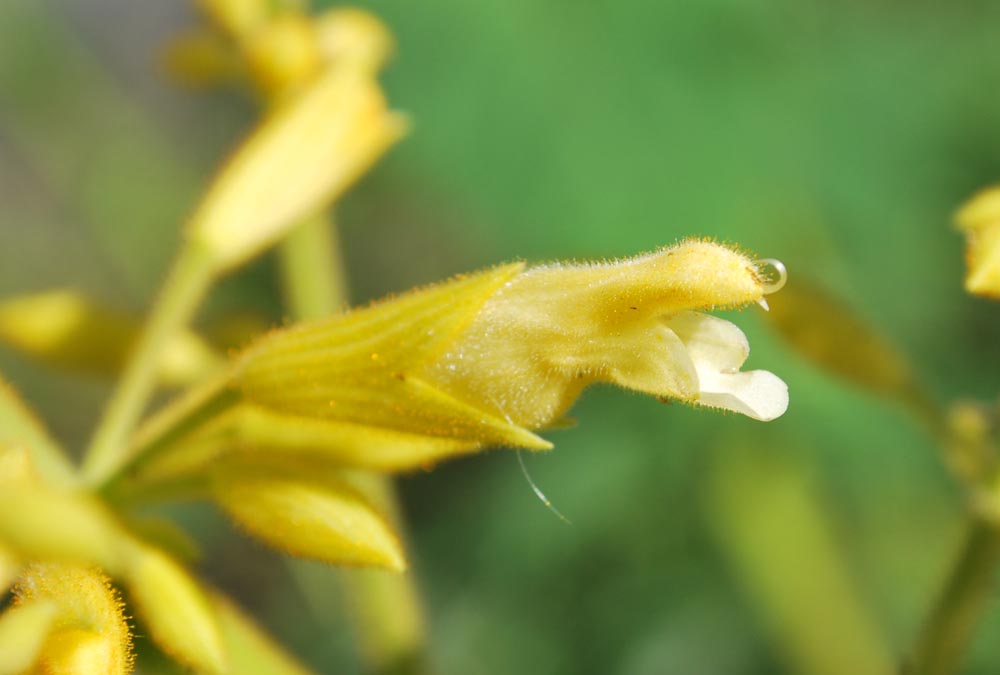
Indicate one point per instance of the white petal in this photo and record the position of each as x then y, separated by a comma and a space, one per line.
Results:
711, 342
759, 394
718, 348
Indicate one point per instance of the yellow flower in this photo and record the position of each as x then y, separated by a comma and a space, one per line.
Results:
979, 218
85, 633
554, 330
483, 359
308, 152
64, 328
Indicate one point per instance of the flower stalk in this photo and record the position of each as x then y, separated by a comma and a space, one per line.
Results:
186, 286
951, 626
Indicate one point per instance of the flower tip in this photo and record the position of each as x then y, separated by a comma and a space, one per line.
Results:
709, 274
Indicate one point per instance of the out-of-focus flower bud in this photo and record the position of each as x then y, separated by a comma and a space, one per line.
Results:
354, 37
237, 17
307, 510
283, 53
88, 634
979, 218
302, 157
66, 329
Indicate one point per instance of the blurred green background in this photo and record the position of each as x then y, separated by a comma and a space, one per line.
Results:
836, 136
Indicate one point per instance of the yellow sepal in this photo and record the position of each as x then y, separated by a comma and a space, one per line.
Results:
362, 368
37, 522
344, 443
176, 611
307, 511
21, 431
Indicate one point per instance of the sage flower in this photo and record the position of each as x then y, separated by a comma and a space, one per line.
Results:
490, 358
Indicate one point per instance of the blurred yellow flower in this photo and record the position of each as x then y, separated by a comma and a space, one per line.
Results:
65, 328
85, 632
979, 218
311, 149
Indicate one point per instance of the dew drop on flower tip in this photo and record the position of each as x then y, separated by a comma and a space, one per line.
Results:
773, 275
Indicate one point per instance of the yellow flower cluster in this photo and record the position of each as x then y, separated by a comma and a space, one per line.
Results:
61, 530
277, 435
482, 360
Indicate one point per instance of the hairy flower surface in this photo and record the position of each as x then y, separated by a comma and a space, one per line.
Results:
88, 633
552, 331
482, 359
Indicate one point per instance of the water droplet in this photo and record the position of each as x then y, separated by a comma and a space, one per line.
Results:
773, 274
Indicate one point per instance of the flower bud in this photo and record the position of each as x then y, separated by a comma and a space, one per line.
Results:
283, 53
89, 635
301, 158
351, 35
306, 510
979, 218
237, 17
64, 328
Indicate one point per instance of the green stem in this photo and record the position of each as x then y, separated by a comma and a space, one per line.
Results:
385, 607
952, 623
186, 285
174, 424
312, 286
